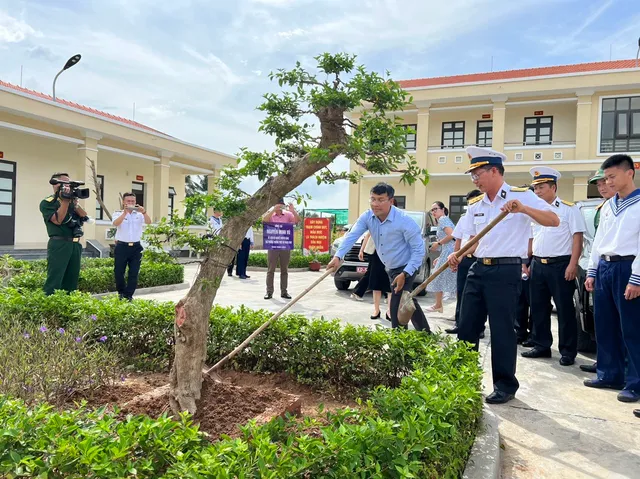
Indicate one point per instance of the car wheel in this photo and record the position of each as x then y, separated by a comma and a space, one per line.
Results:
585, 343
342, 284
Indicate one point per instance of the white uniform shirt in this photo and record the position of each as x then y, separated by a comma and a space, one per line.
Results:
130, 230
249, 235
618, 234
459, 234
216, 224
510, 237
549, 241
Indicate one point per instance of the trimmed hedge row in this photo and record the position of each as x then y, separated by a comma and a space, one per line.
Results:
101, 280
297, 259
419, 421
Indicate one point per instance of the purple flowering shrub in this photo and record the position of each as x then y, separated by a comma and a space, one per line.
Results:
40, 363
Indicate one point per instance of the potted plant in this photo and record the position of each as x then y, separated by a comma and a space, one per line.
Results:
314, 264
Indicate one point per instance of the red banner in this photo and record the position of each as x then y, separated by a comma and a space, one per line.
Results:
317, 234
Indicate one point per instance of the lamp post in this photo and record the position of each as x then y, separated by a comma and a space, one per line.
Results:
70, 62
638, 54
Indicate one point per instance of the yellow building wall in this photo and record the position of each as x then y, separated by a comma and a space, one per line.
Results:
564, 121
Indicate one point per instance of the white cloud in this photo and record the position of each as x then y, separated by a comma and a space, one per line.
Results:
292, 33
13, 30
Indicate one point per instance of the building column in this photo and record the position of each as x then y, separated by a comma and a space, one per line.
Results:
583, 125
422, 145
498, 116
88, 154
580, 186
161, 187
212, 185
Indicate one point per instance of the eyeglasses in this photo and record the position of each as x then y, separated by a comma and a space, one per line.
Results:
433, 210
378, 200
476, 176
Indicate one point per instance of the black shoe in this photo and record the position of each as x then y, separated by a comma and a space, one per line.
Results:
600, 384
521, 340
636, 412
536, 353
567, 361
244, 276
589, 368
499, 397
377, 316
285, 296
627, 395
268, 296
230, 274
387, 317
451, 330
528, 344
482, 335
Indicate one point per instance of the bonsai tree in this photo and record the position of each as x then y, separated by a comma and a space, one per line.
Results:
302, 149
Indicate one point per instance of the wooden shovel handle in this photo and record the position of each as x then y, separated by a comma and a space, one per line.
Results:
470, 244
266, 324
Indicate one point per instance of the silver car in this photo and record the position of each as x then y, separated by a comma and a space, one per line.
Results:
353, 269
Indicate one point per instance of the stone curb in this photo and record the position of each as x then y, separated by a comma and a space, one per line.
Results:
291, 270
153, 289
485, 461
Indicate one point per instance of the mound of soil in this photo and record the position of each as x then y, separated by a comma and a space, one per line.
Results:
223, 407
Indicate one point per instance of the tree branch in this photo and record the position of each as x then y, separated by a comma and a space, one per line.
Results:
96, 190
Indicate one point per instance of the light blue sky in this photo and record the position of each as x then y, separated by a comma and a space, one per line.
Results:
196, 69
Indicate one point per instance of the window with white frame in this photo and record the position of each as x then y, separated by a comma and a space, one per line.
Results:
172, 194
453, 134
620, 129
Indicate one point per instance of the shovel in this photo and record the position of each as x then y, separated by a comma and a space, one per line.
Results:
211, 372
407, 307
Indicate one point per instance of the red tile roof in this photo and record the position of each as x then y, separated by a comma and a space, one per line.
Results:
77, 106
516, 74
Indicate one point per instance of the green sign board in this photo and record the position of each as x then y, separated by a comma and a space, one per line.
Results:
341, 216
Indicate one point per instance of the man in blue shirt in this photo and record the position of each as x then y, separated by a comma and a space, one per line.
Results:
399, 244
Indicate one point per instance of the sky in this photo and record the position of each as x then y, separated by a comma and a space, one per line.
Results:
197, 69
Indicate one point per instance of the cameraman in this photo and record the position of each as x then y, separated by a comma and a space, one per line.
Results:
63, 218
129, 223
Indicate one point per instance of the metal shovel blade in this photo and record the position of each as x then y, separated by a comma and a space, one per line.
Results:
406, 309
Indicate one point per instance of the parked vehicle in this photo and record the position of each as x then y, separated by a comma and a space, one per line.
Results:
583, 300
353, 269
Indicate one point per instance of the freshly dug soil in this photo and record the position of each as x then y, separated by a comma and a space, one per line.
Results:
223, 407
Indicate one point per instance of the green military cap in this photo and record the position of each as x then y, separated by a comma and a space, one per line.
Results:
598, 176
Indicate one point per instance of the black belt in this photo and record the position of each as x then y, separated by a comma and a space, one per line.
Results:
614, 259
134, 243
553, 259
65, 238
499, 261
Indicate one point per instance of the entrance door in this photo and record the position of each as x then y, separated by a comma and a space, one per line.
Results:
7, 202
138, 190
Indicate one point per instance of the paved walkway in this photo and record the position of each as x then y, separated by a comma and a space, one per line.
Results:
555, 428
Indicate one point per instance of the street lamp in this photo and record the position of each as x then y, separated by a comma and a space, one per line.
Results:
70, 62
638, 54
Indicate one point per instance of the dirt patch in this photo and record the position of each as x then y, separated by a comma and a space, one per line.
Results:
223, 407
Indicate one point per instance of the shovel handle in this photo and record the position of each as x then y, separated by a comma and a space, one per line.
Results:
470, 244
266, 324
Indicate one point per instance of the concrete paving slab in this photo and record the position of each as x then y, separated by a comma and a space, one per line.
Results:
555, 428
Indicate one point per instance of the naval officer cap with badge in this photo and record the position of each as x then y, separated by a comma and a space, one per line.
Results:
494, 281
556, 252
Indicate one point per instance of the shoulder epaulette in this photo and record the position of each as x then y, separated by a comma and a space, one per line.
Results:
568, 203
475, 200
50, 198
601, 205
519, 189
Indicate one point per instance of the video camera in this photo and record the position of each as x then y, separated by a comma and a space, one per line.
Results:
79, 193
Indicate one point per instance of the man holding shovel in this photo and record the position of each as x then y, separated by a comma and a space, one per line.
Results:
399, 244
494, 280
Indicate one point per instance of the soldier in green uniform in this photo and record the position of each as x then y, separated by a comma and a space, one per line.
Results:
63, 218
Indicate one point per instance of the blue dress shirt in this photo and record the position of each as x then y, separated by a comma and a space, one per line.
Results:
398, 239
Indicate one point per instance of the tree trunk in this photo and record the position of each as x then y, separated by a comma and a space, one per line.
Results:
193, 311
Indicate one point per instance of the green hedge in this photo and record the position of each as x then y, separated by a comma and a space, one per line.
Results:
101, 279
419, 420
297, 259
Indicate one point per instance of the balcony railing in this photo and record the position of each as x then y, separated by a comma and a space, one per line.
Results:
535, 144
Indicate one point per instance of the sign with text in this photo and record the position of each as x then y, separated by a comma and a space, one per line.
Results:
139, 178
317, 235
277, 236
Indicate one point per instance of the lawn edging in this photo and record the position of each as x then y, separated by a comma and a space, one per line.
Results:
485, 459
